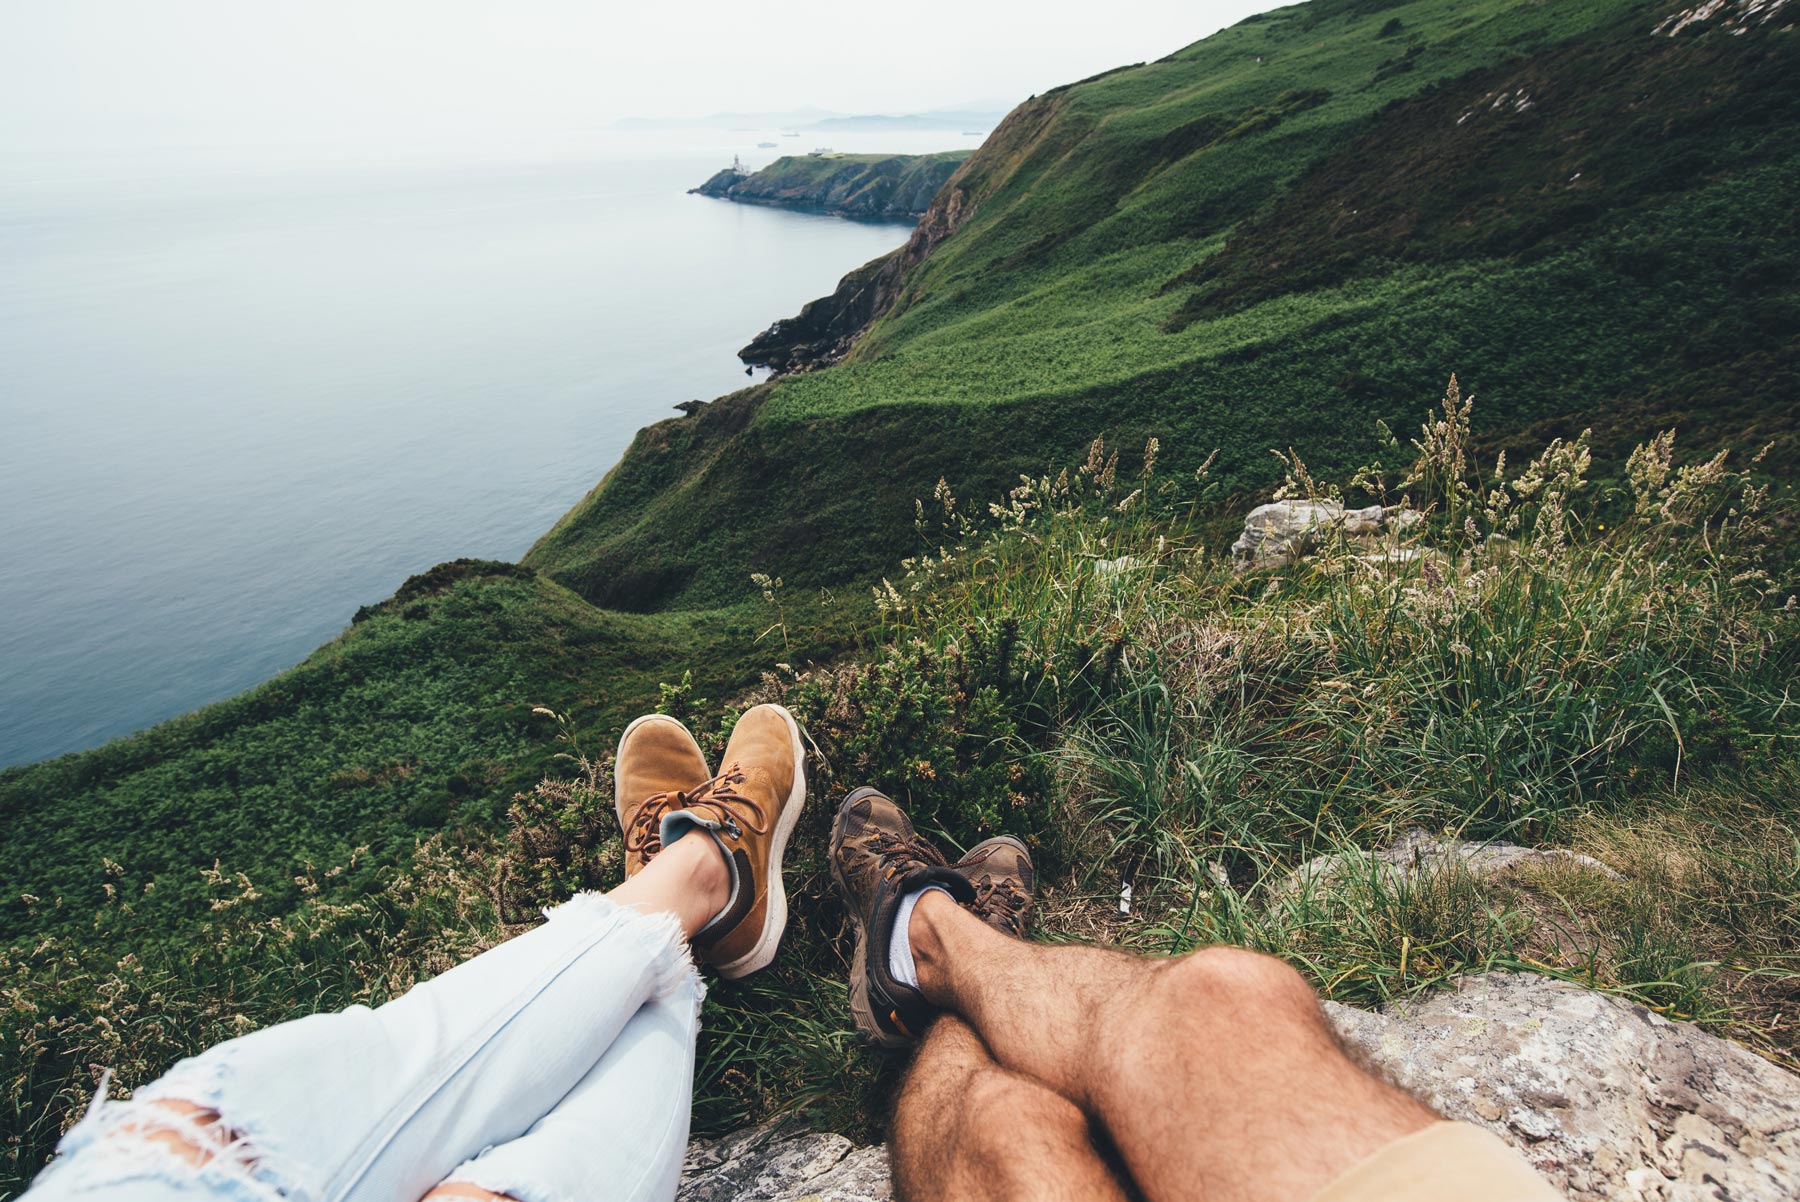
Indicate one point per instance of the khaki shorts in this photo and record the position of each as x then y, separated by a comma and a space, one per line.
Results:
1443, 1162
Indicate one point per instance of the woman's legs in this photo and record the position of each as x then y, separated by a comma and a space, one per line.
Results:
382, 1104
621, 1134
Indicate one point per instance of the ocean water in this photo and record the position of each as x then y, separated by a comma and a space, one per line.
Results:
241, 396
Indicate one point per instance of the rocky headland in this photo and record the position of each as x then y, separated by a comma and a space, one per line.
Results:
871, 187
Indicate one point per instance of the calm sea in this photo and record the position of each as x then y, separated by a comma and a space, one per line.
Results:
240, 398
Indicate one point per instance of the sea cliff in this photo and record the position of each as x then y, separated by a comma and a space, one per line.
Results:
884, 187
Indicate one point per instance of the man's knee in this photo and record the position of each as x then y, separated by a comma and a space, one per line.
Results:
1014, 1114
1205, 993
1237, 976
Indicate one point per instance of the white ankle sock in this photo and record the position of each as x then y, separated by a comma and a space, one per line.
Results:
900, 957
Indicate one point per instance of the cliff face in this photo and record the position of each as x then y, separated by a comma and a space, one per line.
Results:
824, 331
893, 187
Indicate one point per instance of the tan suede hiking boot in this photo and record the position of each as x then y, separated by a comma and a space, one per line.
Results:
1000, 869
749, 809
658, 763
877, 858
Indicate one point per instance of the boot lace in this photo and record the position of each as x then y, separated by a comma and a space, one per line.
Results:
720, 798
1001, 900
895, 855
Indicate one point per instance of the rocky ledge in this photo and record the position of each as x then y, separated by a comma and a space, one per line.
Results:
1606, 1098
875, 187
783, 1160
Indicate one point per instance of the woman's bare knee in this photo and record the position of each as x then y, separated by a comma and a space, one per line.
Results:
462, 1191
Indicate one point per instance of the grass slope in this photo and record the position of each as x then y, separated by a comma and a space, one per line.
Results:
419, 717
1283, 233
1077, 668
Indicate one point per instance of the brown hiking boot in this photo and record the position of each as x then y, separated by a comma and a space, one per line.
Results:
749, 809
1000, 869
658, 761
876, 859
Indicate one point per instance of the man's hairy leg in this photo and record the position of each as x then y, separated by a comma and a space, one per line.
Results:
966, 1130
1215, 1074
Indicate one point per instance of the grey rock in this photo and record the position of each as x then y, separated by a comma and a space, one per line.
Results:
1418, 853
1276, 532
782, 1162
1607, 1099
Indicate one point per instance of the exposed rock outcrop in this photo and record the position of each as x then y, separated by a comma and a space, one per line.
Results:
1277, 532
1417, 853
1607, 1099
1736, 15
824, 330
783, 1161
872, 187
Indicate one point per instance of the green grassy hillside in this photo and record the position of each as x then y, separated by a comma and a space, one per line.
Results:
1281, 236
1282, 233
417, 719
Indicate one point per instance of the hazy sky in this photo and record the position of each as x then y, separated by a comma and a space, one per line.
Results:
104, 73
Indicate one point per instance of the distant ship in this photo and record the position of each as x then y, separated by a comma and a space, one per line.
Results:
765, 145
974, 133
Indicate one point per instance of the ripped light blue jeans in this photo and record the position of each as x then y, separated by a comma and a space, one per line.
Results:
556, 1067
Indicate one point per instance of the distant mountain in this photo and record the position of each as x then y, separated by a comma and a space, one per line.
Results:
812, 117
956, 119
789, 119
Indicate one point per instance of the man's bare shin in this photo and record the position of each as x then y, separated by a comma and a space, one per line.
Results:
966, 1130
1214, 1074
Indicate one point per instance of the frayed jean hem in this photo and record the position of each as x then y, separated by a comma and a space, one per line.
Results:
366, 1104
107, 1152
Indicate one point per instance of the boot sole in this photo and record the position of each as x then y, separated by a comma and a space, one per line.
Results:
860, 1011
775, 925
619, 802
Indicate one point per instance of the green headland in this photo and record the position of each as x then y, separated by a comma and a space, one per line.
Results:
882, 187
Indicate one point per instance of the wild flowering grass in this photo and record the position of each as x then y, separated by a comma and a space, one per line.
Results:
1513, 667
